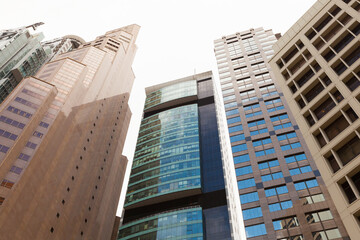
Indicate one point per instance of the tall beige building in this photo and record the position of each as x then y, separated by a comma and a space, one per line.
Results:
62, 134
318, 67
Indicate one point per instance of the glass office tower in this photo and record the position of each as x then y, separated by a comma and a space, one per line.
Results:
282, 194
176, 188
317, 64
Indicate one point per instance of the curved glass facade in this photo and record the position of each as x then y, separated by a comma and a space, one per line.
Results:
185, 224
167, 155
168, 93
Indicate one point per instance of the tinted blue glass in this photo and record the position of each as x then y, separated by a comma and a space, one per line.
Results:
259, 153
294, 171
237, 138
295, 145
300, 157
277, 225
273, 163
270, 192
255, 230
249, 197
305, 169
246, 183
312, 183
229, 98
239, 148
286, 204
300, 186
235, 129
241, 158
285, 147
233, 120
269, 151
230, 105
266, 178
277, 175
252, 213
282, 190
259, 122
232, 112
274, 207
243, 170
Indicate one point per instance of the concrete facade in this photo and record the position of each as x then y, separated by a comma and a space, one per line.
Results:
317, 65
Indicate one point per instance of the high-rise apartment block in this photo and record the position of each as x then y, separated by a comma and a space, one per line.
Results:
62, 134
317, 65
282, 194
177, 188
21, 55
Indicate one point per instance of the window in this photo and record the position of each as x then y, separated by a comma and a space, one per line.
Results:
319, 216
235, 128
306, 184
15, 169
252, 213
260, 142
290, 146
253, 114
324, 108
233, 120
295, 158
260, 131
12, 122
243, 170
296, 171
256, 123
313, 199
273, 101
275, 109
230, 105
356, 180
268, 164
251, 107
237, 138
232, 112
336, 127
255, 230
239, 148
272, 176
264, 152
280, 206
276, 191
8, 135
241, 159
348, 191
249, 197
7, 183
286, 136
285, 223
349, 151
246, 183
327, 234
227, 98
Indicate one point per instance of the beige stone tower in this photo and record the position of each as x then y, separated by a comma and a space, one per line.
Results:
318, 67
62, 136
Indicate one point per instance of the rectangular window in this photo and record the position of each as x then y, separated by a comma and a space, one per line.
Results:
249, 197
313, 199
235, 128
243, 170
280, 206
252, 213
237, 138
324, 108
239, 148
264, 152
306, 184
272, 176
260, 142
246, 183
255, 230
318, 216
349, 151
285, 223
296, 171
12, 122
232, 112
241, 159
276, 191
348, 192
336, 127
233, 120
295, 158
327, 234
268, 164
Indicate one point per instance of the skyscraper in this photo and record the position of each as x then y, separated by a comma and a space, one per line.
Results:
21, 55
177, 188
62, 135
317, 65
281, 191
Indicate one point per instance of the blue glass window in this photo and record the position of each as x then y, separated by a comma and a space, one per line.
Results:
229, 98
276, 191
253, 106
272, 176
286, 136
230, 105
273, 101
255, 230
246, 183
300, 170
275, 109
243, 170
232, 112
306, 184
296, 157
237, 138
239, 148
260, 131
264, 152
285, 223
283, 125
290, 146
256, 123
279, 117
241, 158
269, 164
235, 128
252, 213
261, 142
253, 114
249, 197
269, 94
280, 206
233, 120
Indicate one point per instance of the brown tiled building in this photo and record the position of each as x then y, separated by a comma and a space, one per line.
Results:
317, 65
282, 193
62, 136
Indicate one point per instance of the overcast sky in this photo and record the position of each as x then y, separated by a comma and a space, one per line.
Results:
175, 39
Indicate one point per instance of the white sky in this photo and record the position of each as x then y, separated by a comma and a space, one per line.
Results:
175, 39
